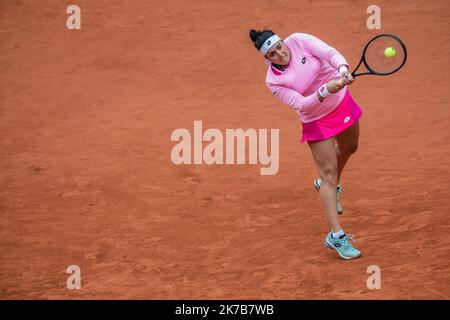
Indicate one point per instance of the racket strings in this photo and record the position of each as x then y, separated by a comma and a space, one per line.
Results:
384, 55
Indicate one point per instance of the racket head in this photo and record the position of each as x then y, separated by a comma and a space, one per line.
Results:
383, 55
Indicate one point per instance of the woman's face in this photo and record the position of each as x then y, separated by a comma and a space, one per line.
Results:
279, 54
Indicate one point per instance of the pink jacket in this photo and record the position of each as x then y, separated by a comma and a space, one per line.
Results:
313, 63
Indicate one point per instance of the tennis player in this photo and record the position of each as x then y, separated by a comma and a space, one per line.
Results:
311, 77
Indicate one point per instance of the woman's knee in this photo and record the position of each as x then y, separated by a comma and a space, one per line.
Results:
353, 147
348, 148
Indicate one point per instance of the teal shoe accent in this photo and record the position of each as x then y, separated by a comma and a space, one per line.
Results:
340, 210
342, 245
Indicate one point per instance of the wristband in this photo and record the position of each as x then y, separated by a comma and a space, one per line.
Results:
323, 92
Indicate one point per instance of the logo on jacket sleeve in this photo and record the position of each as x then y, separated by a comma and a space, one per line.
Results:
304, 60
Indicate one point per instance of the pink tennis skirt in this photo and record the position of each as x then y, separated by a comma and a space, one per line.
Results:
344, 116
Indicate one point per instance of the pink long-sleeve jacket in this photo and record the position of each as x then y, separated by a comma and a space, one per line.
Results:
313, 63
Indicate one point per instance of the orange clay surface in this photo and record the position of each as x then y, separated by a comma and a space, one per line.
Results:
86, 176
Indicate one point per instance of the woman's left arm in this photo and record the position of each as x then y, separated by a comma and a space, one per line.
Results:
323, 51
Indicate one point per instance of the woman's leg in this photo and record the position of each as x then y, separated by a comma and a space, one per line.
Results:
346, 145
324, 155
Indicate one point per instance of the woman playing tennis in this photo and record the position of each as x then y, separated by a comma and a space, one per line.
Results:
311, 77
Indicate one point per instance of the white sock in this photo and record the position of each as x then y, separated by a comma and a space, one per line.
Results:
337, 234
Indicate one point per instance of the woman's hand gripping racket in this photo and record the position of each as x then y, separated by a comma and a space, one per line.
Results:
382, 56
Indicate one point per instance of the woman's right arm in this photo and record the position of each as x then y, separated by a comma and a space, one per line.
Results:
299, 102
294, 99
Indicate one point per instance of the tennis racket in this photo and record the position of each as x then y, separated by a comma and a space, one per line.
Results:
382, 56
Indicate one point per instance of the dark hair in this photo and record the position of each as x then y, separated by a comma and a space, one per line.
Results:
258, 37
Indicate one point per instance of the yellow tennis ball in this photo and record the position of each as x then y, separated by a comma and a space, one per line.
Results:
389, 52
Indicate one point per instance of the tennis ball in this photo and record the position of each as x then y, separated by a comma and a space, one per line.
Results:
389, 52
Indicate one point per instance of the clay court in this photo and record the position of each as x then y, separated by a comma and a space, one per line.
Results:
87, 179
